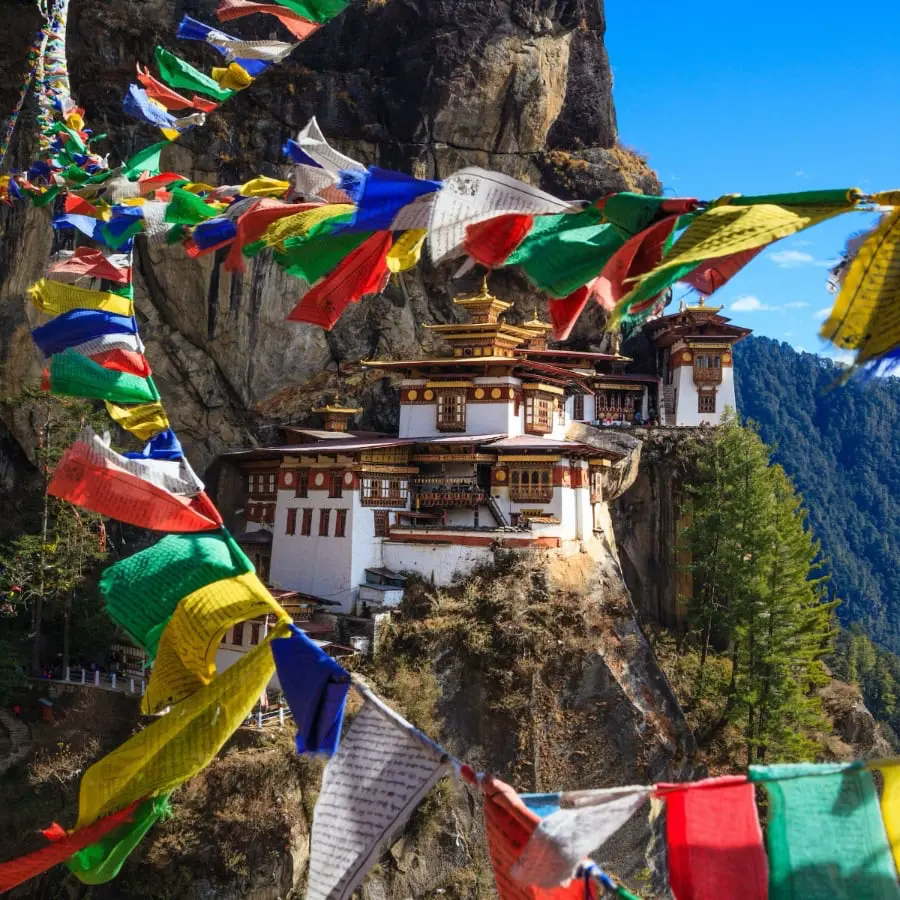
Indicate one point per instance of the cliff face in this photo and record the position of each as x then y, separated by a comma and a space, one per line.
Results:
425, 86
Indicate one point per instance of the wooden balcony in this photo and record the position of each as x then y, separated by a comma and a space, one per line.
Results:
533, 493
707, 376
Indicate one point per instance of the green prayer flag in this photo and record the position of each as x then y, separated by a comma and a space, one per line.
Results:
178, 74
74, 173
631, 213
840, 197
826, 838
186, 208
142, 591
46, 197
144, 162
74, 375
116, 240
312, 260
101, 862
316, 10
122, 290
562, 253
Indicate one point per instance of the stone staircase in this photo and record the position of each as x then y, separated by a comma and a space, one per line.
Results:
667, 412
15, 740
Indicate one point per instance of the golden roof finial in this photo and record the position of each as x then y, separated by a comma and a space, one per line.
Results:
484, 287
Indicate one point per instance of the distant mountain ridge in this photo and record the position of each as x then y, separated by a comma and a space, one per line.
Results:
841, 446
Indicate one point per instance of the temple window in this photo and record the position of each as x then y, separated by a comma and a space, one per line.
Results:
302, 483
707, 367
306, 525
254, 633
291, 526
262, 484
531, 484
340, 523
451, 410
381, 523
237, 637
324, 519
538, 413
384, 491
706, 402
596, 485
335, 484
578, 407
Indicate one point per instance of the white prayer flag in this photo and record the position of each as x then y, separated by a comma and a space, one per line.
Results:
110, 342
474, 195
565, 838
314, 145
370, 788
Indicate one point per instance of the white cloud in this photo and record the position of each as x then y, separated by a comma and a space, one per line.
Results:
790, 259
843, 357
820, 315
749, 304
796, 304
800, 174
802, 242
789, 334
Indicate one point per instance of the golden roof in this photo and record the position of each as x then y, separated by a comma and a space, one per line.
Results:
339, 410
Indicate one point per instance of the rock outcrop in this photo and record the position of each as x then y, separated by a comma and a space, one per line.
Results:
425, 86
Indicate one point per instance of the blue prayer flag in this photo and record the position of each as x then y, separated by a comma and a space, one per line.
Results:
213, 232
164, 445
379, 195
139, 106
78, 326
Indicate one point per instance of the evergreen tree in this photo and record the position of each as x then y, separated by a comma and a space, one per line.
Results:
755, 595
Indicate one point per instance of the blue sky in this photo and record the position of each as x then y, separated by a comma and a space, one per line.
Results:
764, 98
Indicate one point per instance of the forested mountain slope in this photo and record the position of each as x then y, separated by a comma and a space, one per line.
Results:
841, 445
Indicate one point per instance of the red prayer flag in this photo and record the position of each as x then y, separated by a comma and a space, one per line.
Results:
63, 845
364, 271
637, 256
299, 27
715, 842
89, 261
148, 185
75, 204
490, 243
509, 824
710, 276
253, 223
124, 361
94, 482
171, 99
564, 311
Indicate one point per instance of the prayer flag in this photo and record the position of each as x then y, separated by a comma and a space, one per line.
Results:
233, 77
253, 223
317, 253
299, 224
490, 243
890, 808
142, 421
406, 250
169, 98
363, 272
186, 657
142, 591
86, 261
379, 775
714, 840
176, 746
55, 298
263, 186
865, 316
542, 805
473, 195
73, 375
316, 690
509, 825
103, 344
179, 74
564, 311
316, 10
138, 105
16, 871
584, 822
379, 195
77, 326
85, 224
708, 277
825, 834
99, 480
145, 161
315, 149
299, 27
101, 862
163, 446
122, 361
185, 208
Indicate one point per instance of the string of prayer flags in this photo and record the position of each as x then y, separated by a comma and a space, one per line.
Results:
474, 195
91, 476
381, 772
60, 848
243, 52
73, 375
866, 314
714, 839
101, 862
583, 822
825, 835
299, 27
56, 298
178, 745
186, 657
315, 687
142, 591
509, 825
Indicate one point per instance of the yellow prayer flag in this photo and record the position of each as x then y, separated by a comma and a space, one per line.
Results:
143, 421
263, 186
725, 230
170, 134
407, 250
55, 298
300, 223
866, 315
890, 808
186, 658
233, 78
198, 187
887, 198
178, 745
133, 201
